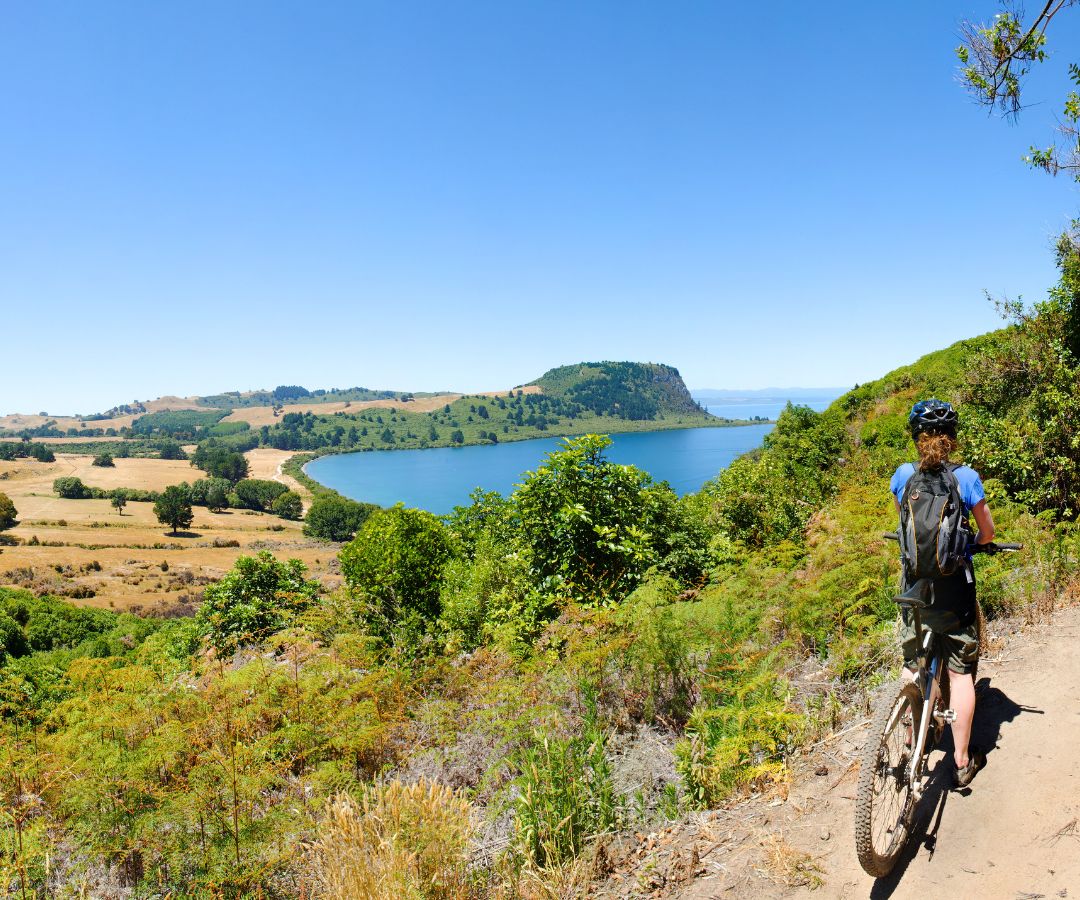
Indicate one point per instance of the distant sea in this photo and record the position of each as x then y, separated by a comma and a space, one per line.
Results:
765, 407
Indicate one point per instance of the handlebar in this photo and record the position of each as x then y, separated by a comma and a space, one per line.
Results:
990, 547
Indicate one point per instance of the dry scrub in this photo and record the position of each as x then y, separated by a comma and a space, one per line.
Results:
407, 841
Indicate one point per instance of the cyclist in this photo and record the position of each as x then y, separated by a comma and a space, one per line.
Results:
953, 613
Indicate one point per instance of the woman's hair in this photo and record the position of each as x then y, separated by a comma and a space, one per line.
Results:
934, 450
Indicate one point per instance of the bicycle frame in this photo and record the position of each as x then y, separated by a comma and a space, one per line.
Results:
931, 662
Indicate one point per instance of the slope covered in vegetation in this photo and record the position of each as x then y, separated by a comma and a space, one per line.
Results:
626, 390
482, 679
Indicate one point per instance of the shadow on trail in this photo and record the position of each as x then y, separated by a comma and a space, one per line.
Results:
993, 708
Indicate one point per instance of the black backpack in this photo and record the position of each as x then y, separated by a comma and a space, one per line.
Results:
934, 533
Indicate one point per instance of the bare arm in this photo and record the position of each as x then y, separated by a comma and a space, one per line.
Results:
985, 521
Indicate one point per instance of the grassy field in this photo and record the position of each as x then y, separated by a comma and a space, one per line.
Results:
84, 550
19, 421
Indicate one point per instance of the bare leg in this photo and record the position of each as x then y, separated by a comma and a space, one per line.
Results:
962, 691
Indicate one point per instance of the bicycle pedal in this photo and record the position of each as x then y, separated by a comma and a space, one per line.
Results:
947, 716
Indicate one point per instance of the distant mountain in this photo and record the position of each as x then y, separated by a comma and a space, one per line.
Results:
626, 390
772, 393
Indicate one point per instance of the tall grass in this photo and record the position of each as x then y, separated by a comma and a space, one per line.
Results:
401, 841
567, 794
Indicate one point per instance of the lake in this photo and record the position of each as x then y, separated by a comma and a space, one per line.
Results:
440, 478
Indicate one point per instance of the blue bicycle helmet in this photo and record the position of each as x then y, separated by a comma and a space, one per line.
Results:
932, 416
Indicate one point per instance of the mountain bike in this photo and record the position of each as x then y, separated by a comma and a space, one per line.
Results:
906, 728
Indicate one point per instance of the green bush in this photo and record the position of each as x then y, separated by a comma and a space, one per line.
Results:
9, 517
592, 528
71, 488
767, 497
396, 564
334, 518
491, 598
104, 461
288, 505
256, 598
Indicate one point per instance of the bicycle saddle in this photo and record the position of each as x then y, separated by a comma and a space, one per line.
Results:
918, 596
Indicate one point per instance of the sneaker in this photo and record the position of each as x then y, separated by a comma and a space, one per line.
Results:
976, 760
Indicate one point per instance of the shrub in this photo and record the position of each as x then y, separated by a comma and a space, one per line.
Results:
71, 488
288, 505
334, 518
566, 794
104, 461
491, 598
738, 736
256, 598
593, 528
9, 517
398, 841
396, 563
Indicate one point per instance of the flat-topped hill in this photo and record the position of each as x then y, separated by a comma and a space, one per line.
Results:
627, 390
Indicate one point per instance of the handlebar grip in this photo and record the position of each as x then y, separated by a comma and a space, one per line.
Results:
891, 536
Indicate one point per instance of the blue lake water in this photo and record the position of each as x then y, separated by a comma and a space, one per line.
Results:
440, 478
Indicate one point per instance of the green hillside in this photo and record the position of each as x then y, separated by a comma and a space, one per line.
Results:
514, 652
627, 390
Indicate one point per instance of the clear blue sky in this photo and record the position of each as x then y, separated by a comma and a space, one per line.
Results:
201, 196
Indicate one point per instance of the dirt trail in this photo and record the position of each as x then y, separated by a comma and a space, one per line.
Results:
1014, 834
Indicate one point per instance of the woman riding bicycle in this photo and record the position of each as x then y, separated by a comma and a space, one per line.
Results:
953, 613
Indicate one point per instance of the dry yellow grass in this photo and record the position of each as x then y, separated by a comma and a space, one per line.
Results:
257, 416
266, 463
19, 421
83, 546
408, 841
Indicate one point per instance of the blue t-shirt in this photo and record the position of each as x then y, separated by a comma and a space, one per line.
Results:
971, 486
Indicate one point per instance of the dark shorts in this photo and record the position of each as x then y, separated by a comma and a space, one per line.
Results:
952, 615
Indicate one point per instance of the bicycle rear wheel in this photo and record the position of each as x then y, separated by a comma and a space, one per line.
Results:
884, 802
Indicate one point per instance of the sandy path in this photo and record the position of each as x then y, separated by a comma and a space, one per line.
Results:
266, 463
1015, 833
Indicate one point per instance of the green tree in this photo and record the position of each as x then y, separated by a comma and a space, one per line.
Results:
217, 495
995, 58
288, 505
592, 528
170, 449
9, 518
173, 508
334, 518
71, 488
259, 493
396, 563
219, 461
457, 437
104, 460
118, 499
259, 596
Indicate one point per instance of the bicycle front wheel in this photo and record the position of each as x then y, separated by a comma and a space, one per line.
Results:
884, 800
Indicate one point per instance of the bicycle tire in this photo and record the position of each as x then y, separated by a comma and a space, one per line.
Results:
884, 802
